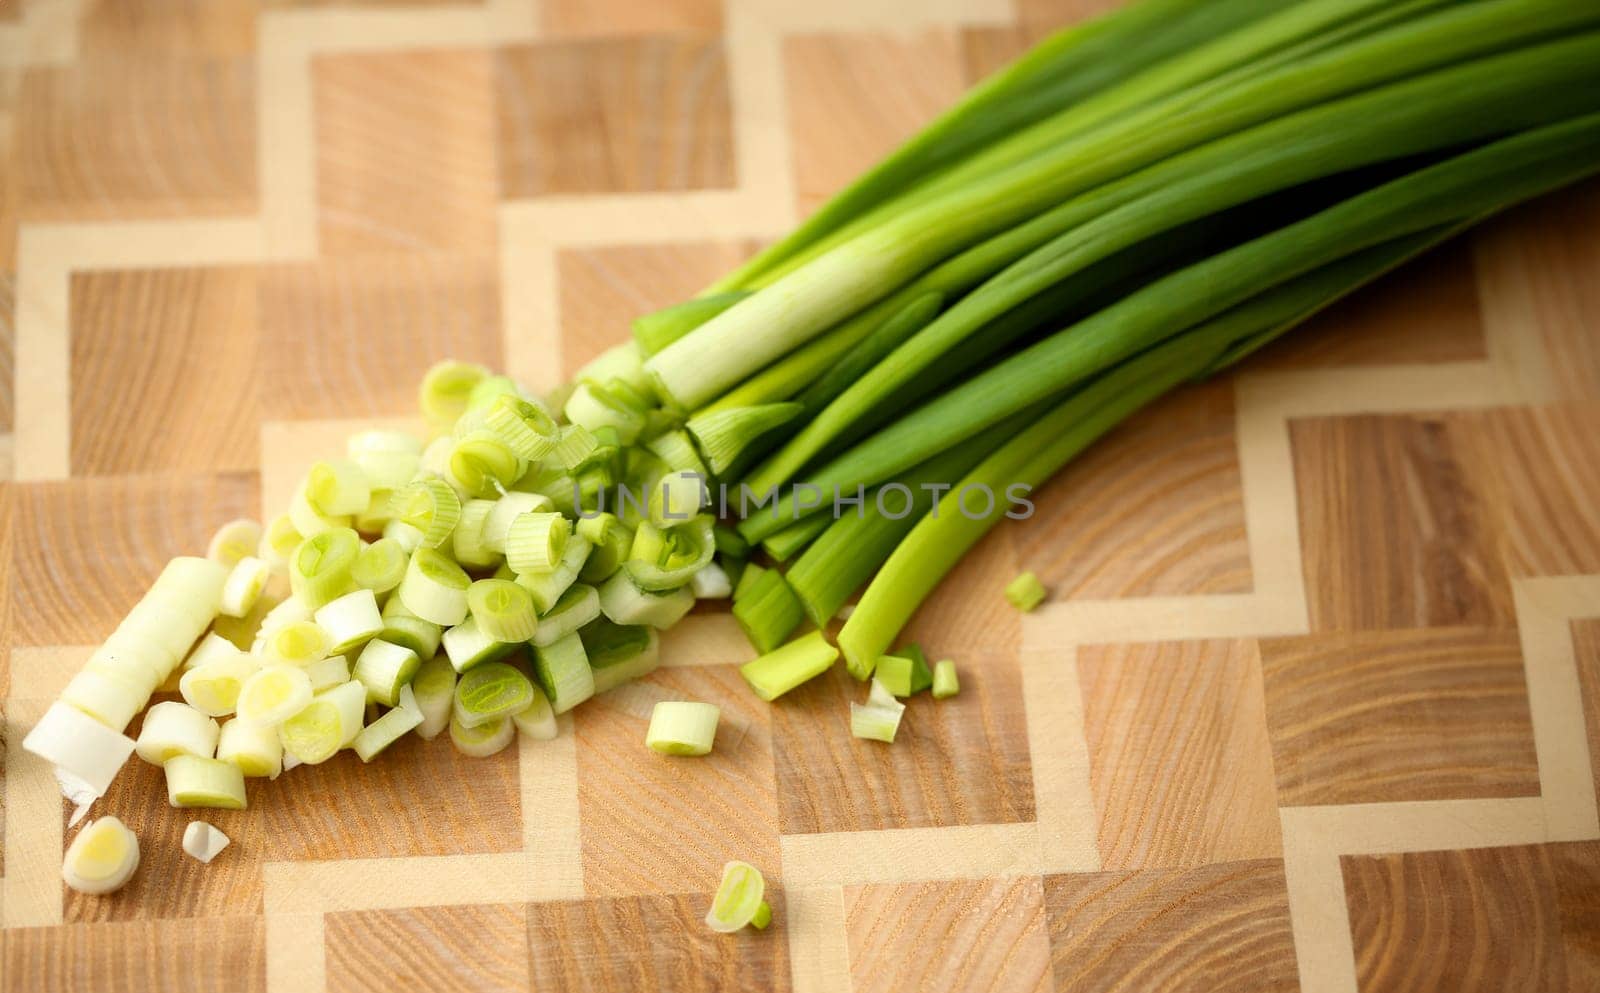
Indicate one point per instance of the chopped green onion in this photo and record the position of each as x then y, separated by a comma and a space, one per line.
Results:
468, 645
747, 581
385, 731
593, 407
921, 673
244, 585
506, 510
467, 540
484, 465
489, 389
193, 781
308, 519
484, 740
902, 675
625, 602
711, 583
328, 723
612, 541
739, 898
434, 692
504, 611
102, 858
319, 570
537, 720
680, 727
562, 669
235, 540
430, 506
663, 559
407, 537
619, 653
730, 543
350, 620
300, 643
385, 668
676, 498
523, 426
547, 585
86, 753
879, 718
574, 447
657, 330
781, 670
174, 728
579, 605
621, 363
203, 842
213, 687
255, 750
279, 541
677, 452
725, 435
768, 612
380, 566
338, 487
490, 692
536, 541
1025, 592
434, 588
785, 544
403, 628
446, 388
945, 683
111, 700
271, 696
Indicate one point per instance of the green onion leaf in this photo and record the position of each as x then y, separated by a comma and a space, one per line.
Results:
768, 611
779, 671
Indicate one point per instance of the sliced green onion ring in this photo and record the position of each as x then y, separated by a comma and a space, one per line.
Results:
504, 611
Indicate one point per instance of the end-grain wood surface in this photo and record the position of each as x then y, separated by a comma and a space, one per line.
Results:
1315, 702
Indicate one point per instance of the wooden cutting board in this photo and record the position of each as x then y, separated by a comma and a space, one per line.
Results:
1312, 704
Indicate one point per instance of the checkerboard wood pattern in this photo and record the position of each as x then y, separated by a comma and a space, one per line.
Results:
1315, 703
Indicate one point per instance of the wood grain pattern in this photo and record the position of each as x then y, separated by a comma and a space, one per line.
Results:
1218, 927
405, 152
1156, 509
633, 800
168, 27
87, 550
473, 949
1480, 920
1179, 757
137, 137
1413, 715
1546, 468
1586, 647
603, 289
562, 18
963, 760
968, 613
149, 348
1576, 869
852, 98
617, 115
652, 944
1395, 533
350, 337
228, 954
961, 934
8, 347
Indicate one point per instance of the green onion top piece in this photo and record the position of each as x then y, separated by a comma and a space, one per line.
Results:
768, 611
905, 674
779, 671
739, 899
1025, 592
619, 653
724, 436
536, 541
945, 683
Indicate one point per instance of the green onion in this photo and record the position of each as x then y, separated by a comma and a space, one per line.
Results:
676, 498
467, 645
328, 673
328, 723
739, 898
612, 541
485, 739
484, 465
273, 695
779, 671
299, 643
747, 581
434, 588
319, 570
504, 611
730, 543
196, 781
385, 731
711, 583
547, 585
467, 542
430, 506
203, 842
434, 692
619, 653
663, 559
403, 628
677, 452
537, 720
338, 487
879, 718
768, 611
244, 585
725, 435
785, 544
562, 670
1025, 592
380, 566
102, 858
350, 620
903, 675
523, 426
308, 519
506, 510
234, 541
279, 540
489, 692
255, 750
574, 447
578, 606
536, 541
682, 727
656, 331
385, 668
945, 683
624, 601
212, 688
593, 407
110, 700
173, 728
446, 388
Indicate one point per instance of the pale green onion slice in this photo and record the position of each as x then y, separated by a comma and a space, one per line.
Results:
380, 566
193, 781
385, 731
902, 675
434, 692
111, 700
137, 653
536, 541
244, 585
403, 534
506, 510
377, 515
711, 583
385, 669
489, 389
739, 898
174, 728
676, 498
489, 692
435, 588
623, 601
292, 610
279, 541
504, 611
524, 426
621, 362
137, 670
329, 722
573, 447
235, 540
579, 605
273, 695
467, 645
779, 671
677, 452
319, 570
467, 541
213, 688
328, 673
945, 683
195, 578
612, 541
1025, 592
300, 643
768, 611
547, 585
682, 727
663, 559
436, 457
338, 487
82, 749
255, 750
619, 653
407, 630
430, 506
242, 632
446, 388
562, 669
350, 620
537, 720
484, 740
484, 465
102, 858
879, 718
379, 442
594, 407
172, 627
308, 519
203, 842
